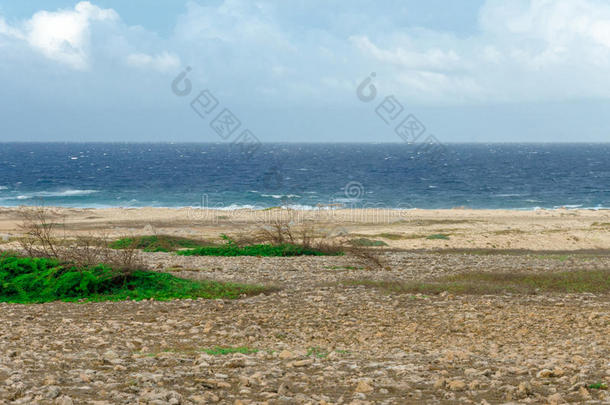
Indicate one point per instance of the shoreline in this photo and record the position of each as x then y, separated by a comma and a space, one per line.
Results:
298, 208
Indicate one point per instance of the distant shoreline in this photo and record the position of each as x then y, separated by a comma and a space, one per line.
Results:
298, 209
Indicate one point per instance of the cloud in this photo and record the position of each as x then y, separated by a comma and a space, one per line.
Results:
162, 62
65, 35
525, 51
74, 37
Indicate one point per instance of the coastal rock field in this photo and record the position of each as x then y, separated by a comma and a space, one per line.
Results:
316, 340
332, 330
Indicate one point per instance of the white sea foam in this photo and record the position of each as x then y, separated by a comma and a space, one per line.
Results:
568, 206
346, 200
279, 196
53, 194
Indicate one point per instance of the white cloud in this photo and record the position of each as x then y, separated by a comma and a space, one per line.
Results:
429, 59
8, 31
162, 62
75, 37
233, 22
65, 35
526, 51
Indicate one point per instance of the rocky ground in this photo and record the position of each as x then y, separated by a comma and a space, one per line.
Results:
317, 340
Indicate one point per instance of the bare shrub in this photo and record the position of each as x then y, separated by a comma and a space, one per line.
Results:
277, 232
45, 238
311, 237
40, 234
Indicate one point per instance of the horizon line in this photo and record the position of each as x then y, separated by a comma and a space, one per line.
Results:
314, 143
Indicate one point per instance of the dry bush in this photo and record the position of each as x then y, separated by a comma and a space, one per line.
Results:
40, 234
277, 232
280, 232
308, 236
44, 238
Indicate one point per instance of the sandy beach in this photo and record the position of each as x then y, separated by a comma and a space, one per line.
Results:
322, 337
560, 229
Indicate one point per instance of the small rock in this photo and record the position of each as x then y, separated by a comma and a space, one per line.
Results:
469, 372
524, 389
555, 399
302, 363
456, 385
64, 400
364, 387
440, 383
584, 393
285, 354
544, 373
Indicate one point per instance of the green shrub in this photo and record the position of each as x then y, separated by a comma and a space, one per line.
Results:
36, 280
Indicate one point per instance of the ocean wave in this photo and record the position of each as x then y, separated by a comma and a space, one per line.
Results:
234, 207
3, 188
568, 206
346, 200
53, 194
280, 196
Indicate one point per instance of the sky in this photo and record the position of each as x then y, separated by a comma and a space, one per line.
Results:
304, 70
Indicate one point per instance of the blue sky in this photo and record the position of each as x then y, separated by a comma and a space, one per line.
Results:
288, 70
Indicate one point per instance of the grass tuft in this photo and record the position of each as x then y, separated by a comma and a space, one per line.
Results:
317, 352
221, 351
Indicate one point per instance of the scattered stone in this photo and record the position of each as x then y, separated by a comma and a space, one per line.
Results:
456, 385
364, 387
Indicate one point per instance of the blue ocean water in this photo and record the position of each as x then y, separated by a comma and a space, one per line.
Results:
517, 176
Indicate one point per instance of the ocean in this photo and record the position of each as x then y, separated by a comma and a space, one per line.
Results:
307, 176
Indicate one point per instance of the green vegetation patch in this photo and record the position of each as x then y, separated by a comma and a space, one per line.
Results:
580, 281
35, 280
598, 386
220, 351
438, 236
230, 248
192, 247
367, 242
318, 352
263, 250
156, 243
